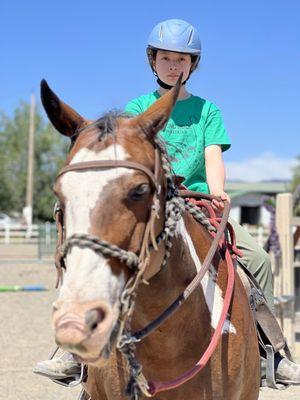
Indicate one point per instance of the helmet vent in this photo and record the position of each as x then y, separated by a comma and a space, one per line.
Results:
161, 33
190, 41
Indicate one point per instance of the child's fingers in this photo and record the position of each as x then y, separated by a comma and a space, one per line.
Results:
225, 197
217, 205
214, 203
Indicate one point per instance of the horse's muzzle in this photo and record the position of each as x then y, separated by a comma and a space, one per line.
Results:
83, 329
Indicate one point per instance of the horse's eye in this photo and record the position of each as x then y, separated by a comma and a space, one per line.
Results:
139, 192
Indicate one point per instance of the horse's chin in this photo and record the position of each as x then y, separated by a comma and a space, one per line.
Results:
99, 361
102, 358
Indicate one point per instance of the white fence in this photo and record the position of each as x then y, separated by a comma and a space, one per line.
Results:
43, 236
17, 232
10, 233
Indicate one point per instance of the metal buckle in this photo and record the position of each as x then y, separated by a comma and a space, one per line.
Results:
56, 209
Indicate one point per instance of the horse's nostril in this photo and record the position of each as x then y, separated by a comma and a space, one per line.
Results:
94, 317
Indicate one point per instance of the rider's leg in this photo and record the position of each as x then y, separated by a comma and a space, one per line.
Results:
259, 264
256, 260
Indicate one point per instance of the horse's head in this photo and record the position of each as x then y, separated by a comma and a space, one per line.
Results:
111, 203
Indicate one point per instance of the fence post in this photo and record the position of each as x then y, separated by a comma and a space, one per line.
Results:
260, 236
6, 233
284, 215
40, 238
47, 234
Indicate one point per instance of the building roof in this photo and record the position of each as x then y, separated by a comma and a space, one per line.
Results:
237, 189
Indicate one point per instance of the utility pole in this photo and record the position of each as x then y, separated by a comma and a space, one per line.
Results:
27, 211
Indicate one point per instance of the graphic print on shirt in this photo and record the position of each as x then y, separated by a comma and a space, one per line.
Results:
184, 144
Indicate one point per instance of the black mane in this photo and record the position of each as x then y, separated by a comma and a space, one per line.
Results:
106, 125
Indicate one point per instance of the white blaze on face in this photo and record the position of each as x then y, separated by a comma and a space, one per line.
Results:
89, 276
212, 292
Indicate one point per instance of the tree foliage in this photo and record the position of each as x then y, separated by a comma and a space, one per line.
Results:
296, 176
295, 187
50, 153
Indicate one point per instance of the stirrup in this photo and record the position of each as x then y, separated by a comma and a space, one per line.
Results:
270, 380
72, 381
83, 395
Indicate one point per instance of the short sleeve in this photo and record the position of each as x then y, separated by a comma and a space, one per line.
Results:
133, 107
215, 132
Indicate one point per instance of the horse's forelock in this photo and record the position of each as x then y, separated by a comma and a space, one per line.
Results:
105, 126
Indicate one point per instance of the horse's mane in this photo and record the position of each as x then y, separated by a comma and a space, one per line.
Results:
106, 125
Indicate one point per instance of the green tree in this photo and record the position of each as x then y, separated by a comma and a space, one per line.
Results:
296, 176
50, 152
295, 187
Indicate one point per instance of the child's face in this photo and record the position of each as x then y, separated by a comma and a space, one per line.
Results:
169, 65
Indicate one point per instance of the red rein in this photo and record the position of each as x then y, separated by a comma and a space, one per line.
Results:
157, 386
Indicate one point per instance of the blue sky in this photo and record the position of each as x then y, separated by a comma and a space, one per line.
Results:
93, 55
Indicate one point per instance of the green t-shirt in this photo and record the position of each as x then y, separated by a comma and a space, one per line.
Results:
194, 124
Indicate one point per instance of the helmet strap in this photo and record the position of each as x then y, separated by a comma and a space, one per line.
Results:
165, 85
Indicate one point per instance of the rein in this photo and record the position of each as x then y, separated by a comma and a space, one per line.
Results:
151, 388
177, 203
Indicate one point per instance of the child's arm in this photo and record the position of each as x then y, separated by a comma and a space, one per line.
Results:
215, 175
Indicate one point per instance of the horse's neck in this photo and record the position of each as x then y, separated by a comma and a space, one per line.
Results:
184, 262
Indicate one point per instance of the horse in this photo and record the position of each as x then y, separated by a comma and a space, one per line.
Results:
112, 184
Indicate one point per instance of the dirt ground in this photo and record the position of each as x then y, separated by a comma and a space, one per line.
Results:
25, 331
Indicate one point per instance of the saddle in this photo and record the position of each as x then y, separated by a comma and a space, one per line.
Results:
269, 334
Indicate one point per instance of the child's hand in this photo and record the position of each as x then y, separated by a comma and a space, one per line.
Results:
218, 206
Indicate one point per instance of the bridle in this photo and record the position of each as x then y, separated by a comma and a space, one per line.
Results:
84, 240
177, 202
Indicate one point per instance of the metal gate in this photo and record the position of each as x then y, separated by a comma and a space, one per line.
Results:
46, 240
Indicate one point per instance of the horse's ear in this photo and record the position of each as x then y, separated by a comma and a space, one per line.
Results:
66, 120
155, 118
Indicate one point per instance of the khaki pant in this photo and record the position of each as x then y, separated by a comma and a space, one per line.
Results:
256, 260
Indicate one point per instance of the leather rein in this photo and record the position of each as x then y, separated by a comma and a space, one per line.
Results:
150, 388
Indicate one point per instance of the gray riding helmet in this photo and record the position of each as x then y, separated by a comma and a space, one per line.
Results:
175, 35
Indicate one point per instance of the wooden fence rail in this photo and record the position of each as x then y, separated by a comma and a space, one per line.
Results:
283, 268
